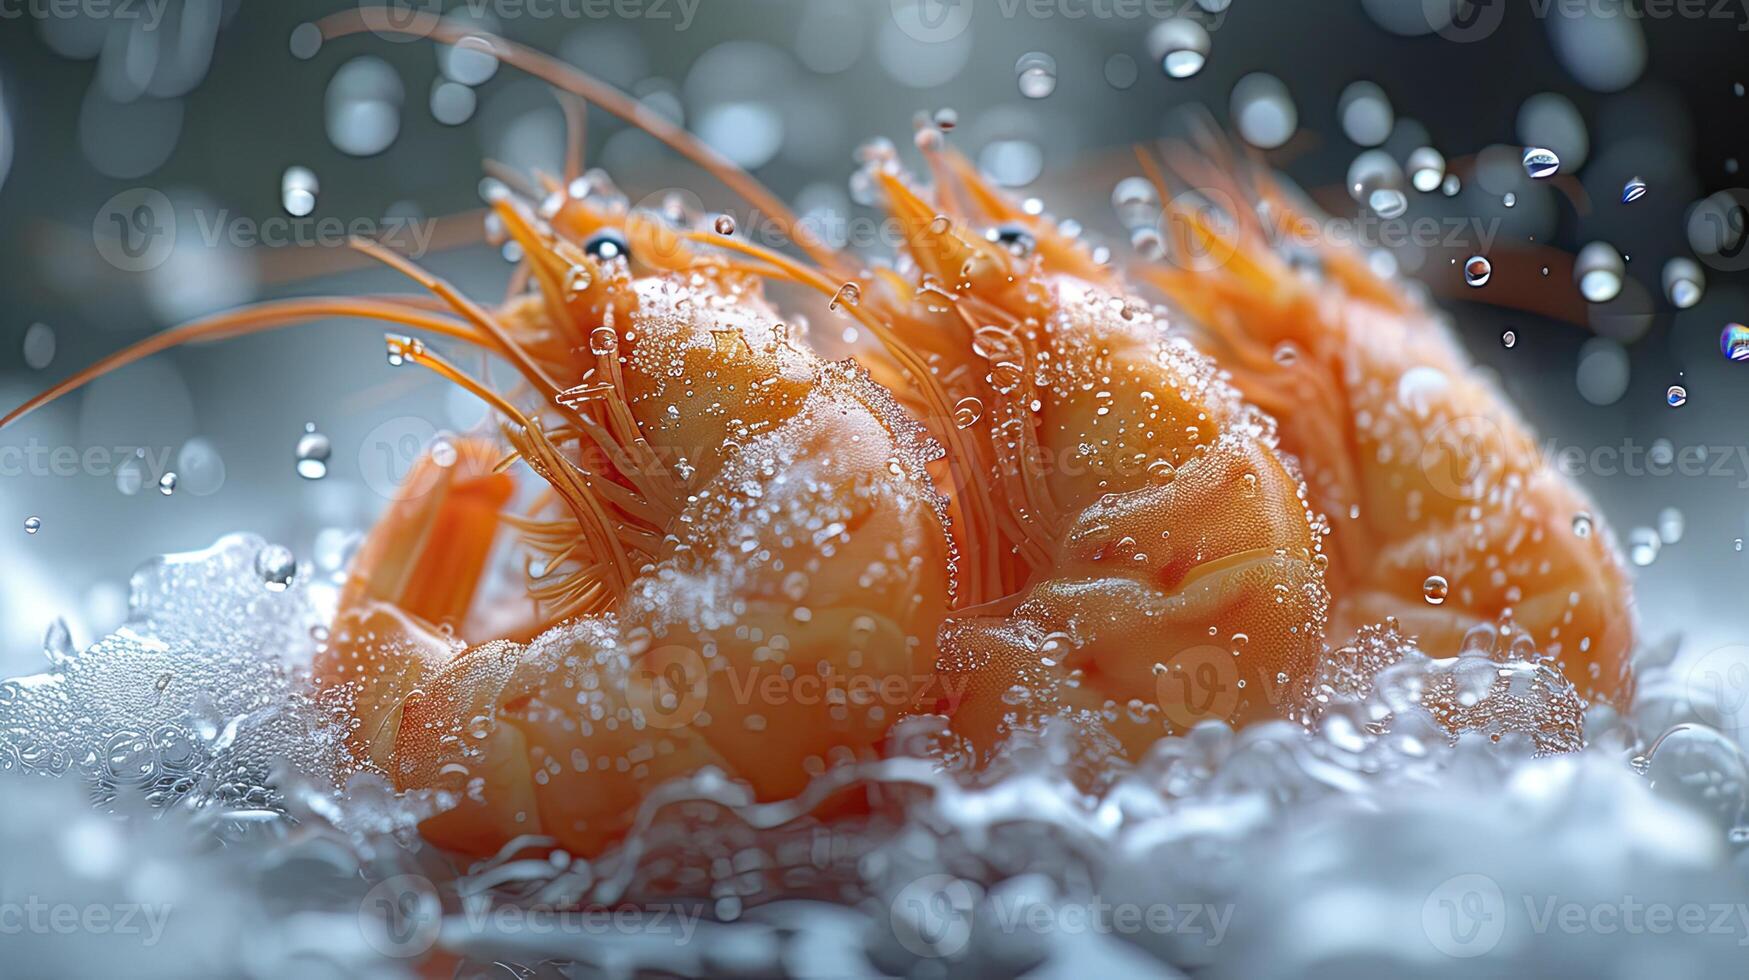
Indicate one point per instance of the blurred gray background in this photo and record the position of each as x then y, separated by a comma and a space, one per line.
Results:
208, 103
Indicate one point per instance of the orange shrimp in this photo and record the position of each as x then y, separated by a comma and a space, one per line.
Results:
1138, 557
1444, 513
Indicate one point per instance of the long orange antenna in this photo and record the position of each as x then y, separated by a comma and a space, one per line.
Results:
259, 318
563, 76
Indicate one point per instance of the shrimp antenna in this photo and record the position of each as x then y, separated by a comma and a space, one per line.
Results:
563, 76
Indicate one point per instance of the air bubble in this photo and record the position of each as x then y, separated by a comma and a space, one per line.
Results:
277, 567
1434, 589
1540, 162
1478, 270
1179, 46
313, 450
1037, 74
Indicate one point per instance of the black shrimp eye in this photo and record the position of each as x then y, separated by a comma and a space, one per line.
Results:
1017, 240
606, 245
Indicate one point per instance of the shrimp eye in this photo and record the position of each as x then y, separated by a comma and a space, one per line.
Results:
1015, 239
606, 245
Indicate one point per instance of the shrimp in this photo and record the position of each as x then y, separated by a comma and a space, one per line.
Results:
1138, 557
1443, 512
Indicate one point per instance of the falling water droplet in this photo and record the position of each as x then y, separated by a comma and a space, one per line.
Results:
297, 191
1509, 340
1582, 524
1670, 525
1510, 200
313, 450
1598, 270
1684, 283
1037, 74
1643, 545
1540, 162
277, 567
1426, 169
725, 225
1676, 396
1434, 589
167, 484
1179, 46
1633, 190
1734, 342
39, 346
443, 451
1478, 270
32, 525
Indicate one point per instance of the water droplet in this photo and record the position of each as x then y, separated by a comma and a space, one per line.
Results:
39, 346
848, 294
276, 566
1509, 340
1136, 203
1633, 190
967, 412
1738, 544
1670, 525
1366, 113
1734, 342
603, 342
297, 191
725, 225
1598, 270
1683, 282
1013, 239
1478, 270
167, 484
306, 40
130, 476
1434, 589
32, 525
1676, 396
946, 119
606, 245
1540, 162
1451, 185
313, 450
403, 349
58, 642
1643, 545
1263, 111
443, 451
1426, 169
1582, 524
1179, 46
1510, 200
1387, 202
1037, 74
